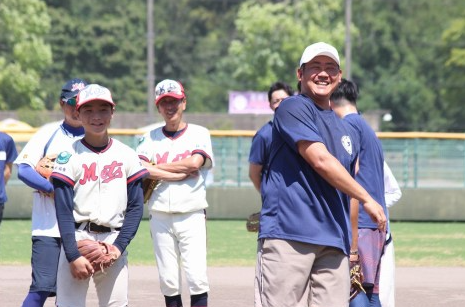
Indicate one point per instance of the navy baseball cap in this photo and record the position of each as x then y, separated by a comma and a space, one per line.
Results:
72, 88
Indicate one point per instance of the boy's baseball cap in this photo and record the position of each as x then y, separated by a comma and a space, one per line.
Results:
72, 88
93, 92
317, 49
169, 88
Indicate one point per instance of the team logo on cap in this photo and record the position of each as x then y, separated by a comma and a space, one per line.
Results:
168, 88
93, 91
77, 86
347, 143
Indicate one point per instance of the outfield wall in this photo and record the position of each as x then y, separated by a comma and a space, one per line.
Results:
239, 202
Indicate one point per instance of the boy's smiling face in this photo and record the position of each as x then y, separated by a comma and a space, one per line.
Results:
96, 116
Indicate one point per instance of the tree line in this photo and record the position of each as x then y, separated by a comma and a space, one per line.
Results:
408, 57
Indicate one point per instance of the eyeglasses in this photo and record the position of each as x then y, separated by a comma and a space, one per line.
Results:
70, 101
331, 70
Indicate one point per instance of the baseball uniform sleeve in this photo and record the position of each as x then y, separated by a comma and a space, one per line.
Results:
134, 212
392, 192
204, 147
144, 150
64, 209
34, 149
33, 179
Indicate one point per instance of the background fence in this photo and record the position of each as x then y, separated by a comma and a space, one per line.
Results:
430, 168
417, 159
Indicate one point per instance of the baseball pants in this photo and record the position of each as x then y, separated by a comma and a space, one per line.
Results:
387, 276
111, 286
180, 242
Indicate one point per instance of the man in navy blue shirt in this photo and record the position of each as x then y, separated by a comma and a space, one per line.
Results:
304, 223
368, 241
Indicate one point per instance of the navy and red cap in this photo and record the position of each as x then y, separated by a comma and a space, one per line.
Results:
72, 88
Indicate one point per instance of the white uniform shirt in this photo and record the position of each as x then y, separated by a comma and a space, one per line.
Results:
178, 196
44, 222
392, 192
100, 180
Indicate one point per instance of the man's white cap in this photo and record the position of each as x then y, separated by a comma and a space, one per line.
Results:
93, 92
169, 88
317, 49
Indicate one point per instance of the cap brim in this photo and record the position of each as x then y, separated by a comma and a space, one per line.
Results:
68, 94
323, 53
171, 94
79, 105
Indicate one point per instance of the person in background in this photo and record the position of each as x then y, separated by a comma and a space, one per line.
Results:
261, 142
8, 154
49, 140
180, 156
392, 194
305, 234
368, 245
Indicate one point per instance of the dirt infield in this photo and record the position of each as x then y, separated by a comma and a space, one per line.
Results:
233, 287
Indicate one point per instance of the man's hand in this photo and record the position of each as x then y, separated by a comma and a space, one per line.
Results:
375, 211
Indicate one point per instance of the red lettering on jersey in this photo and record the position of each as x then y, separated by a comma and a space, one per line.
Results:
111, 172
89, 173
162, 159
181, 156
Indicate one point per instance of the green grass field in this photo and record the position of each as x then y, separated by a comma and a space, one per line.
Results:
229, 244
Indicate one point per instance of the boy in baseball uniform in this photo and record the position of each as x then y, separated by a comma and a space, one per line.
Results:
98, 196
182, 154
50, 140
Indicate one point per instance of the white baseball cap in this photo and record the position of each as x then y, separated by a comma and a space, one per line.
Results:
169, 88
93, 92
317, 49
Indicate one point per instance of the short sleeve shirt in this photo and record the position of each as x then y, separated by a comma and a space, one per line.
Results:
298, 204
50, 139
370, 174
260, 148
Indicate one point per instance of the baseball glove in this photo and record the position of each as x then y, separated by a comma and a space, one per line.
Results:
45, 166
148, 185
100, 254
356, 280
253, 222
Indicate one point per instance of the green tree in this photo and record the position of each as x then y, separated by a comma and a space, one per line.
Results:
103, 42
399, 61
191, 37
271, 37
453, 90
23, 53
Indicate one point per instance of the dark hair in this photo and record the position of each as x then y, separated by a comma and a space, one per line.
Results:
346, 90
279, 86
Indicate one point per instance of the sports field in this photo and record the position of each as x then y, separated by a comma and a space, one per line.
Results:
430, 259
229, 244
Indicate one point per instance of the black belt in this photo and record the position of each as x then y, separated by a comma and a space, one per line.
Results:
92, 227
